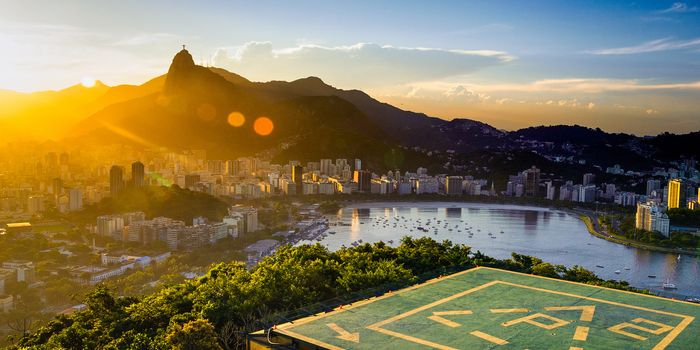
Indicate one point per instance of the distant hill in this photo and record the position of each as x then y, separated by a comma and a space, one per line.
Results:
52, 114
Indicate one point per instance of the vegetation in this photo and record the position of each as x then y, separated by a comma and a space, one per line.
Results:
625, 228
173, 202
216, 310
684, 217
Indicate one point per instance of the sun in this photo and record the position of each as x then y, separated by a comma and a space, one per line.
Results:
87, 82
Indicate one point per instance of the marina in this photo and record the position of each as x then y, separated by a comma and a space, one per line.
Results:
499, 230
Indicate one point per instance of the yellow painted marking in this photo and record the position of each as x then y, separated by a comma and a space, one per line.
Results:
583, 285
430, 305
377, 326
619, 330
586, 311
311, 340
489, 338
456, 312
437, 317
662, 328
581, 333
531, 320
505, 311
413, 339
674, 333
444, 321
308, 319
593, 299
660, 346
686, 320
343, 334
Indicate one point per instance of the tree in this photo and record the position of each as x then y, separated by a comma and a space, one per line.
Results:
198, 334
547, 270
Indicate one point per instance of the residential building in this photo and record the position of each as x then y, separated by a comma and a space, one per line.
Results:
116, 180
453, 185
651, 217
676, 198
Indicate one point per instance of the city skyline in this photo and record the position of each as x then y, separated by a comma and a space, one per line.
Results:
629, 67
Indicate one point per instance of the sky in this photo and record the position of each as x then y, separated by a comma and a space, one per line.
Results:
623, 66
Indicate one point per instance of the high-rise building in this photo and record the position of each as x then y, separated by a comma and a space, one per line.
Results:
650, 217
358, 164
532, 181
653, 185
35, 204
363, 178
675, 194
192, 180
550, 190
588, 179
215, 166
297, 178
138, 174
56, 187
116, 180
586, 194
75, 198
325, 166
453, 185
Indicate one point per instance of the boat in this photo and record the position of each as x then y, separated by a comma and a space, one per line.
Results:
679, 257
601, 266
331, 232
617, 272
652, 276
627, 268
693, 300
668, 285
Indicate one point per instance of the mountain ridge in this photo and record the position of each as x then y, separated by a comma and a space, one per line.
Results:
188, 106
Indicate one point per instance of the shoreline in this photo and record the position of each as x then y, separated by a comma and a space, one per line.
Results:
365, 204
588, 221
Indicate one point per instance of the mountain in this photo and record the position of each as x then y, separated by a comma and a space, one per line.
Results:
409, 128
188, 108
192, 110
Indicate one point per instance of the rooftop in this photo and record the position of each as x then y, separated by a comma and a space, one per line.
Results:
490, 308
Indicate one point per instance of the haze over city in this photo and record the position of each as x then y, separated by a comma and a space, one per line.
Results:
621, 66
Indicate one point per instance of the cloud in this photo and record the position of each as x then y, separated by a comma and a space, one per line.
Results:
665, 44
460, 92
358, 65
568, 86
679, 7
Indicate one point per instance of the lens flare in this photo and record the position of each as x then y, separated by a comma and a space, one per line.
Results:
263, 126
236, 119
206, 112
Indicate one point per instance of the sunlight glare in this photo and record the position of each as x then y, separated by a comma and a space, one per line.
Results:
87, 82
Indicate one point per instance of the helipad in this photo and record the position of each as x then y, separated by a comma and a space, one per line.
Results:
486, 308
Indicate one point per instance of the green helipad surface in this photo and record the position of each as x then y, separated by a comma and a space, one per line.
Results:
485, 308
